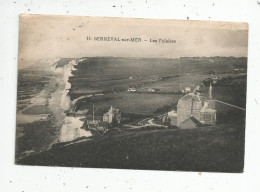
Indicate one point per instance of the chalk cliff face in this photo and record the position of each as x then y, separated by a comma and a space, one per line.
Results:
60, 102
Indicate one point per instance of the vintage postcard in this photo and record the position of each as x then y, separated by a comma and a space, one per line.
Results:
131, 93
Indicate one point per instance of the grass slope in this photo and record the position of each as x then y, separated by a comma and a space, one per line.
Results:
218, 149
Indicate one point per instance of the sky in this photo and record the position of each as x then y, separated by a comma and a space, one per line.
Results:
48, 37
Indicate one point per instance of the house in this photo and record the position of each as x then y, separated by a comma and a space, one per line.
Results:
187, 89
112, 116
130, 90
193, 107
214, 81
151, 90
189, 105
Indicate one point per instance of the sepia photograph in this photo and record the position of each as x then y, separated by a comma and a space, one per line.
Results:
123, 93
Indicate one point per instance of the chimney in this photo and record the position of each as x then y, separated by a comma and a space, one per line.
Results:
210, 91
211, 101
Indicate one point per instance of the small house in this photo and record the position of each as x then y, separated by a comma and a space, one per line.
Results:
172, 115
187, 89
151, 90
130, 90
112, 116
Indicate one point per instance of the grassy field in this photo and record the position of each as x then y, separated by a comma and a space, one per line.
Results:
145, 104
173, 84
113, 76
219, 148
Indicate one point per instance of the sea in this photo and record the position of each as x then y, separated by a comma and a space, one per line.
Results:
44, 106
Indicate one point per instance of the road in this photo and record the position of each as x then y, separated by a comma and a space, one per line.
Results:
146, 122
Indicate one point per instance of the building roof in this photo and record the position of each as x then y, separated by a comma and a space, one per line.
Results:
192, 122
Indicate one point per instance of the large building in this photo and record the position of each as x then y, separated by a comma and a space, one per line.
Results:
194, 110
113, 115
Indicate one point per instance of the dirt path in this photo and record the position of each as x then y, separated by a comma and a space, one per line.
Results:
149, 122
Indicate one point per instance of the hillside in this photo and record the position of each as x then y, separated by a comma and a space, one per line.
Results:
219, 149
